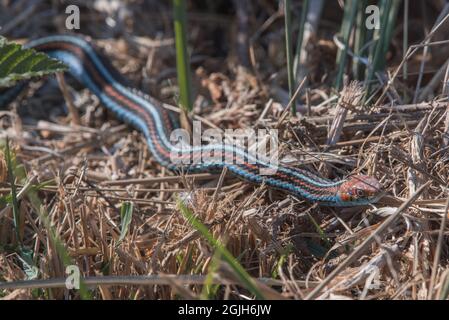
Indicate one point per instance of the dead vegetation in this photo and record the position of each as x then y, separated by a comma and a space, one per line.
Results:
83, 169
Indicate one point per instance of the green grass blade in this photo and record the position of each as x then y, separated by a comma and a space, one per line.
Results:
126, 213
246, 280
389, 28
388, 12
289, 52
281, 261
62, 252
405, 47
345, 32
11, 179
299, 43
360, 40
444, 293
16, 171
182, 57
209, 289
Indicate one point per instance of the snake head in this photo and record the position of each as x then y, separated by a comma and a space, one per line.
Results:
359, 190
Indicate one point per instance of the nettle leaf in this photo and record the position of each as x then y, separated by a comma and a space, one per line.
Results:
18, 63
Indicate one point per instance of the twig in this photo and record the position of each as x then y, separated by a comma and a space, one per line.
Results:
287, 108
410, 52
199, 176
75, 117
24, 15
149, 280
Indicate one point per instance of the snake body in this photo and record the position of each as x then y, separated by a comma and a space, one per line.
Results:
153, 121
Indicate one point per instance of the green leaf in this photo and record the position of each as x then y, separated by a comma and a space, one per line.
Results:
281, 261
126, 213
18, 63
209, 289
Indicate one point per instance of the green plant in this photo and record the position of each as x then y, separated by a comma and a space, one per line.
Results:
18, 63
246, 280
367, 47
182, 57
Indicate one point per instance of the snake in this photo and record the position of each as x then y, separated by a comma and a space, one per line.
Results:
146, 114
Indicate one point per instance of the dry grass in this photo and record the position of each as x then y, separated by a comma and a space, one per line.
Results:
73, 176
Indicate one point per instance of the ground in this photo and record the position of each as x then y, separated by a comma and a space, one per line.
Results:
101, 202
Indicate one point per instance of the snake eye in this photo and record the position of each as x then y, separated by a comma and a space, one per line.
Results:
360, 192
